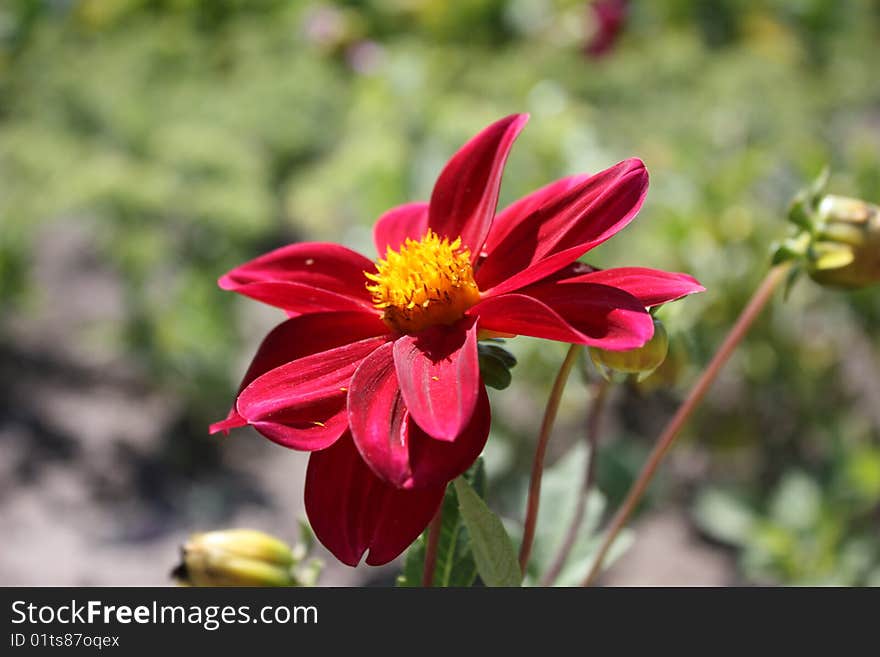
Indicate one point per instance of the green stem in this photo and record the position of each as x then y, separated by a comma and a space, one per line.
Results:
550, 411
743, 323
431, 548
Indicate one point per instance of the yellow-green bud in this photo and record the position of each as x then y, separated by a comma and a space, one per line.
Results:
641, 362
846, 252
235, 557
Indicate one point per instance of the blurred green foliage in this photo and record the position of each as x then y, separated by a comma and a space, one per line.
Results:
195, 134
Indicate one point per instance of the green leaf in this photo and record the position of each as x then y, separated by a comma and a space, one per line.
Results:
455, 561
797, 502
559, 500
493, 551
723, 517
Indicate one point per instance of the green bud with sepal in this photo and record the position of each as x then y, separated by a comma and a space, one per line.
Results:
846, 247
641, 362
837, 240
238, 557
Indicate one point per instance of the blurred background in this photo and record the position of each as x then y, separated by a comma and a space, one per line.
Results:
147, 146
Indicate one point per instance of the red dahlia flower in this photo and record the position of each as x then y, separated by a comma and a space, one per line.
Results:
376, 371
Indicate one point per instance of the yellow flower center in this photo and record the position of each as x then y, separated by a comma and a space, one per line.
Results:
426, 282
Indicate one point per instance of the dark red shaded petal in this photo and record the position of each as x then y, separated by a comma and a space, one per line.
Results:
302, 336
564, 228
435, 462
393, 227
397, 450
580, 313
351, 510
308, 426
376, 415
650, 286
301, 404
518, 314
466, 193
328, 267
510, 217
439, 376
301, 299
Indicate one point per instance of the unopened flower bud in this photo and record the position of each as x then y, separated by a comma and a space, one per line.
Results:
846, 251
640, 362
235, 557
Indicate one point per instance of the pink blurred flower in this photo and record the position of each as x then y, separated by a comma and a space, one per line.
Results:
608, 18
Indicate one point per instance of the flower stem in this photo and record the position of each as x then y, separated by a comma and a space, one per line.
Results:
431, 549
594, 422
743, 323
525, 549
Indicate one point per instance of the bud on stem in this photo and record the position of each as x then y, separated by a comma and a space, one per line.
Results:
235, 557
837, 241
846, 250
640, 362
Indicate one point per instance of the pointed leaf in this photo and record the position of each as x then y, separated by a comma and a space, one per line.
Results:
493, 551
455, 561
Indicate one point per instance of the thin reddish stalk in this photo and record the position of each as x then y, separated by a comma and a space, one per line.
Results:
525, 549
593, 430
743, 323
431, 549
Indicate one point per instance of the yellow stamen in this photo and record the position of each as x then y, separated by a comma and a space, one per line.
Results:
426, 282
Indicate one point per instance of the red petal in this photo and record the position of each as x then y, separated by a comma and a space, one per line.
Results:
301, 404
307, 427
519, 314
395, 448
510, 217
581, 313
439, 375
466, 193
328, 267
564, 228
233, 421
393, 227
301, 299
352, 511
302, 336
376, 415
434, 462
650, 286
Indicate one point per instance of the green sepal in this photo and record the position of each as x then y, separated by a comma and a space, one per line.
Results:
790, 279
817, 188
794, 248
800, 213
495, 365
